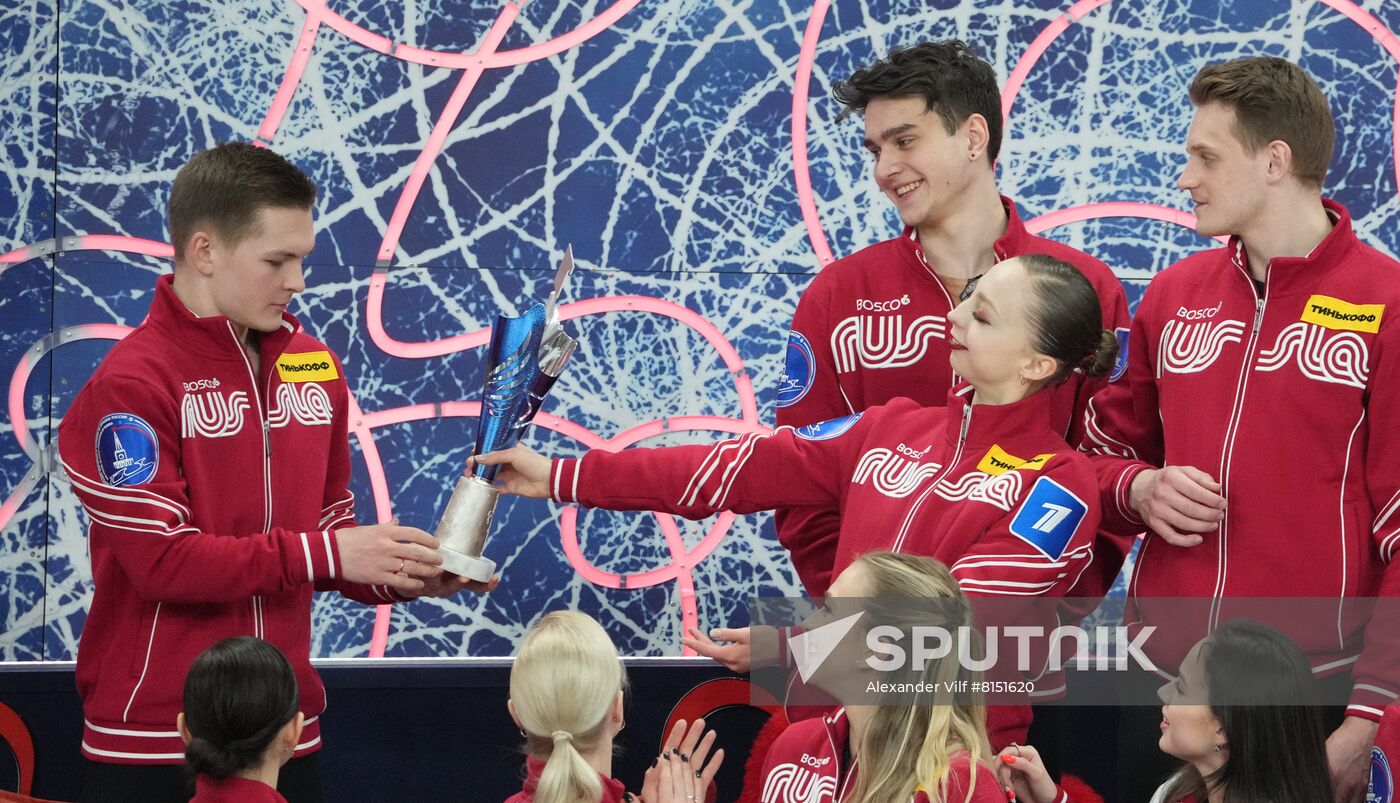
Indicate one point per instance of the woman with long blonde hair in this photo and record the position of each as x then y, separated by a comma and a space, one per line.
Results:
567, 688
896, 748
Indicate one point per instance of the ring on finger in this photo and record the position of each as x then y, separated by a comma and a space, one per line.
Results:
402, 562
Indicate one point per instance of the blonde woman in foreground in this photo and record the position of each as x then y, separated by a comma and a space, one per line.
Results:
566, 696
913, 750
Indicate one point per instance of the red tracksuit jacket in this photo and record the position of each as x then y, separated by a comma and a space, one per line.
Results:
233, 790
961, 483
613, 790
807, 763
212, 499
871, 328
1282, 397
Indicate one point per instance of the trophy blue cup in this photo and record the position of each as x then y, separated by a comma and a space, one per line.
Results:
526, 356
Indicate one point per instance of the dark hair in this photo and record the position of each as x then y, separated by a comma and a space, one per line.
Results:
1067, 317
238, 695
1261, 689
1273, 99
224, 187
950, 78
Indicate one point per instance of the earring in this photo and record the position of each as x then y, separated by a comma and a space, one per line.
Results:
523, 735
1217, 748
620, 724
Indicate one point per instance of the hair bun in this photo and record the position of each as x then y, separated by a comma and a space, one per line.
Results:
208, 758
1105, 355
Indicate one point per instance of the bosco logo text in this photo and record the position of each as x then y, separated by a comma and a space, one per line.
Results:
1200, 314
866, 305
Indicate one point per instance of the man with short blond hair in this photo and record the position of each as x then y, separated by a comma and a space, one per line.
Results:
1254, 433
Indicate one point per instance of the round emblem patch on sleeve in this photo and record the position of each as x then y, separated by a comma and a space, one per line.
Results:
128, 451
1382, 786
799, 368
1121, 364
826, 430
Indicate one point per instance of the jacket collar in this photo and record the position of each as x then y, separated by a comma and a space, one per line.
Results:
1015, 240
989, 423
613, 790
838, 733
1333, 249
214, 337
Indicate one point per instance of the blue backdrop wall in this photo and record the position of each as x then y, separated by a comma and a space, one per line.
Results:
459, 146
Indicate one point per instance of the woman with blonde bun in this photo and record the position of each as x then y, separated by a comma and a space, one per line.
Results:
567, 697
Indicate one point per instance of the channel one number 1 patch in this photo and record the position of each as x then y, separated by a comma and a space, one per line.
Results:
1049, 517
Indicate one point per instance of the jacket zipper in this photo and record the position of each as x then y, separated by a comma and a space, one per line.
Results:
1231, 431
957, 456
266, 463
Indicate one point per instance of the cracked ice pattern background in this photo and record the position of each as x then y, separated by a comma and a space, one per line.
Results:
660, 147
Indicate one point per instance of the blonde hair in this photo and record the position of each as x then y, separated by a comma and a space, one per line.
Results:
562, 686
908, 746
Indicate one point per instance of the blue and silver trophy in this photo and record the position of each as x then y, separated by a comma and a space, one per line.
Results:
527, 355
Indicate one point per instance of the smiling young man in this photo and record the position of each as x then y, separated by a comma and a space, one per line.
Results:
211, 453
874, 326
1256, 430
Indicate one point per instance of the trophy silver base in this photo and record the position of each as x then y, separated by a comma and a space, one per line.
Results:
462, 532
471, 567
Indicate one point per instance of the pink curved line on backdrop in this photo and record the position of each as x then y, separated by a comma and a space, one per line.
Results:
679, 569
438, 58
23, 254
90, 242
301, 55
1391, 44
1074, 13
17, 496
801, 168
1077, 214
581, 34
117, 242
1037, 49
19, 422
383, 508
346, 28
441, 129
743, 385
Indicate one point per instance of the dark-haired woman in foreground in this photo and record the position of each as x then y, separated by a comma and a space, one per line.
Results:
240, 721
983, 485
1240, 716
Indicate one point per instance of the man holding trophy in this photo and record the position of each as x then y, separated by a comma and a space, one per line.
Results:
211, 453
